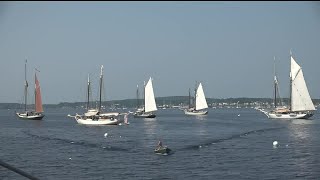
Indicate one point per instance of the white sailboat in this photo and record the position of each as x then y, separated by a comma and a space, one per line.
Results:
200, 107
150, 107
95, 116
37, 114
301, 105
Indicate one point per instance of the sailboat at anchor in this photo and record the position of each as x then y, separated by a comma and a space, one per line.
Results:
37, 113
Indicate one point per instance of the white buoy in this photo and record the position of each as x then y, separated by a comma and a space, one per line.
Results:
69, 158
238, 115
105, 135
275, 143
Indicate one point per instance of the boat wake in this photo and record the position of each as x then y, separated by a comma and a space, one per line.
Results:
79, 143
236, 136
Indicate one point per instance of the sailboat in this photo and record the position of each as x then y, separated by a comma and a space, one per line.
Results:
301, 105
148, 111
37, 114
200, 105
95, 116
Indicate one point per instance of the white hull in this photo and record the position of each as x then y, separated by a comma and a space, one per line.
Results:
291, 115
37, 116
195, 112
97, 120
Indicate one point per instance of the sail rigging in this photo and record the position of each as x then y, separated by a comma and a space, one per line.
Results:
38, 100
300, 102
201, 102
149, 100
300, 97
37, 113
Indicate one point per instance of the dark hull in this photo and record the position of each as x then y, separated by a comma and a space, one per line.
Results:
144, 116
163, 151
31, 116
307, 116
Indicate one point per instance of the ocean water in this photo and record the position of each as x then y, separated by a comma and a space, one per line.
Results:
225, 144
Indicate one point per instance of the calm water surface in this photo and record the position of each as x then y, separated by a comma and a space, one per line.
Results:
221, 145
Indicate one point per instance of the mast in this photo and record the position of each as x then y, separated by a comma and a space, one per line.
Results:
189, 99
101, 77
275, 83
35, 90
195, 95
88, 92
137, 96
290, 98
25, 86
144, 94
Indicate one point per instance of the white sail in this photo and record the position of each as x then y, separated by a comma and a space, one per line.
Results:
201, 102
300, 98
149, 100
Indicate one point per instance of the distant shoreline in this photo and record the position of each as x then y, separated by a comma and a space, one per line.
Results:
163, 101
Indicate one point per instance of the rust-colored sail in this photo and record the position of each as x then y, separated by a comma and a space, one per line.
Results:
38, 101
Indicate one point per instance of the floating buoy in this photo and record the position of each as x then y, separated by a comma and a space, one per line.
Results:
275, 143
70, 159
238, 115
105, 135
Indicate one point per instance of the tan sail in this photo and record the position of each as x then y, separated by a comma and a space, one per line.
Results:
38, 100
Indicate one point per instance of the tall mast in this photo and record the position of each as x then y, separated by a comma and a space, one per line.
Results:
35, 90
275, 83
88, 92
195, 95
144, 94
101, 77
137, 96
290, 99
25, 86
189, 99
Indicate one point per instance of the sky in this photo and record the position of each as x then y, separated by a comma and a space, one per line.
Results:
228, 46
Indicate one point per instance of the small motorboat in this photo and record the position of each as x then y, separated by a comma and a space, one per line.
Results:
162, 150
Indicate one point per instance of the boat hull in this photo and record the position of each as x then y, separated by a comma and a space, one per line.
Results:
140, 114
144, 116
162, 150
96, 121
195, 112
30, 117
291, 115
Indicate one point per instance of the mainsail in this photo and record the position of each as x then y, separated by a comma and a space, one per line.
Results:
38, 101
201, 102
149, 100
300, 98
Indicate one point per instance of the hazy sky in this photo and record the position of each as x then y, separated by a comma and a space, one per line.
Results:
228, 46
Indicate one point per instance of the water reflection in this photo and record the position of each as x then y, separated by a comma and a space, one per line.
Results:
150, 128
201, 117
299, 131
